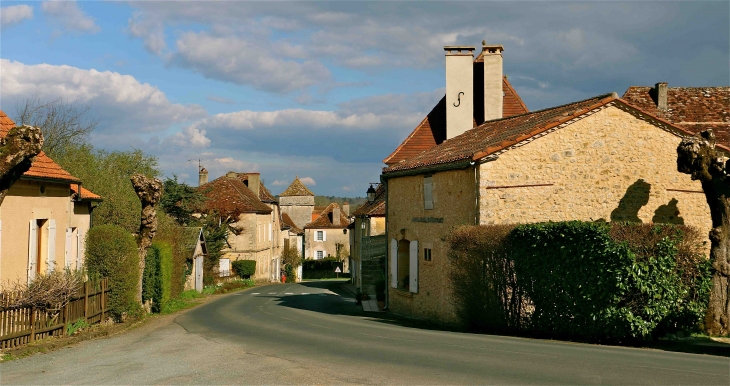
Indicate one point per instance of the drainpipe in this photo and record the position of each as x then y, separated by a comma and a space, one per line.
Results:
387, 245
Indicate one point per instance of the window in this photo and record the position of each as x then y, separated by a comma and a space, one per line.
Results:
428, 192
320, 255
320, 236
427, 254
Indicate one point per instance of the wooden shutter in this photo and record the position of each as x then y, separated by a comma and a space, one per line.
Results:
428, 192
79, 248
68, 248
32, 249
394, 263
51, 245
324, 235
413, 275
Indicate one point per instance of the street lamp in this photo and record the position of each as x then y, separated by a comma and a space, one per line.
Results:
371, 193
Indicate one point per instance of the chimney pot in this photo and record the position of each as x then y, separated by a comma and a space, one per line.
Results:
202, 176
661, 95
493, 93
336, 216
254, 183
459, 89
346, 208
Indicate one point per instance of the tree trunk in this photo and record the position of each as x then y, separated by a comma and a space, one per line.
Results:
17, 152
698, 157
149, 191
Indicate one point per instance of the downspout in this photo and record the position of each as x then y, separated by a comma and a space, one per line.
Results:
387, 246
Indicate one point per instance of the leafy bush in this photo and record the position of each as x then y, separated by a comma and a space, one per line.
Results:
80, 324
111, 252
322, 268
178, 238
157, 281
244, 268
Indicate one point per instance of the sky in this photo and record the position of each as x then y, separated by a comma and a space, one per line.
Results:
326, 90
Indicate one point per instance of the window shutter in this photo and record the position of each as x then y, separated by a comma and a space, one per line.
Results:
79, 248
324, 235
394, 263
413, 275
428, 192
51, 245
32, 249
68, 248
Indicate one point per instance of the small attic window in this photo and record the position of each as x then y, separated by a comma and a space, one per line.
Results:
43, 189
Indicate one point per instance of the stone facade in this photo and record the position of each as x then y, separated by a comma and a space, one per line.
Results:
328, 246
299, 208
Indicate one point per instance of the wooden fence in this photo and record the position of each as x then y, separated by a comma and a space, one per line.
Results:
22, 325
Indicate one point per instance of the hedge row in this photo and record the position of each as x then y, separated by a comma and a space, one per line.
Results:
111, 252
157, 279
322, 268
585, 280
244, 268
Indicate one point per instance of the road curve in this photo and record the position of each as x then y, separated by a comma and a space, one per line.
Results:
313, 333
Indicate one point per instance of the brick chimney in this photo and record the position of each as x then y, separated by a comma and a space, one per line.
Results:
202, 177
346, 208
336, 216
459, 89
493, 94
253, 183
661, 95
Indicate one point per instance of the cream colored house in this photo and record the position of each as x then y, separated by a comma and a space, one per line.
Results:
368, 243
327, 235
599, 158
43, 220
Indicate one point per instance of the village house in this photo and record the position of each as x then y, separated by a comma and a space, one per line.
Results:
599, 158
297, 202
43, 219
368, 243
195, 250
256, 232
327, 235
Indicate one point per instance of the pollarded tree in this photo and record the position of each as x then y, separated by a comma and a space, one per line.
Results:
17, 150
149, 191
698, 157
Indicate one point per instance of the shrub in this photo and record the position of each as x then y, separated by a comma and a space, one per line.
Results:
111, 252
322, 268
244, 268
157, 275
48, 291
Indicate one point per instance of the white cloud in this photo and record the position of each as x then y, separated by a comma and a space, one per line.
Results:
123, 104
191, 137
150, 30
69, 16
280, 183
232, 164
14, 14
309, 181
246, 62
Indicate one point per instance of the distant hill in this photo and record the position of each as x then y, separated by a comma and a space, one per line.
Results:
354, 202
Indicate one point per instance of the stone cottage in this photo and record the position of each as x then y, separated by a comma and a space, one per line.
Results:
297, 202
599, 158
328, 235
43, 219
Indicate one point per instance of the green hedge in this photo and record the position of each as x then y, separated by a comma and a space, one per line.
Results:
322, 268
111, 252
585, 280
157, 279
244, 268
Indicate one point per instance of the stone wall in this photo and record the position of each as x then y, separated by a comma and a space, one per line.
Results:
454, 196
611, 165
299, 208
328, 246
254, 242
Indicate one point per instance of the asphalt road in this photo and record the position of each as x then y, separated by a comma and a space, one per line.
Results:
309, 334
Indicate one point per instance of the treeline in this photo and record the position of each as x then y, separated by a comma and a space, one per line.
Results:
355, 202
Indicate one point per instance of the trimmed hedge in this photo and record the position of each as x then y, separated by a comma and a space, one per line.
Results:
111, 252
322, 268
585, 280
244, 268
157, 280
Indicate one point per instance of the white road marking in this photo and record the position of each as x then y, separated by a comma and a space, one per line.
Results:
255, 293
272, 293
288, 293
305, 293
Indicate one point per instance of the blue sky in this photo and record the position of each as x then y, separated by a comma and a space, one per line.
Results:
326, 90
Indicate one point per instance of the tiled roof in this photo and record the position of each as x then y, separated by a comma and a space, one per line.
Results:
692, 108
375, 208
296, 188
285, 219
432, 130
43, 166
229, 196
190, 237
323, 221
496, 135
85, 193
264, 194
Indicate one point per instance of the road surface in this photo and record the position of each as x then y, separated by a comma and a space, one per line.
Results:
313, 333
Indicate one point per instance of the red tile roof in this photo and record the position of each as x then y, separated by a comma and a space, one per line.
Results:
375, 208
229, 196
692, 108
323, 221
85, 193
43, 166
285, 219
296, 188
264, 194
432, 130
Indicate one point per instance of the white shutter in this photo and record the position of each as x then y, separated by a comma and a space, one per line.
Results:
394, 263
324, 235
68, 248
51, 245
414, 267
79, 248
428, 192
32, 249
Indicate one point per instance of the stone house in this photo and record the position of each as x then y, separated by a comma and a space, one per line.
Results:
43, 219
599, 158
293, 236
297, 202
256, 232
368, 243
327, 235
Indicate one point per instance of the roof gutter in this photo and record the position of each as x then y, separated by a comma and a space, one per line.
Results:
47, 179
428, 169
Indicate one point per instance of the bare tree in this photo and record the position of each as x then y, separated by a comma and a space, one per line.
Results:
698, 157
149, 191
63, 123
17, 151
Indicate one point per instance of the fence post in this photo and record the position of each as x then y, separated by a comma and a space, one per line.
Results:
32, 324
103, 299
65, 318
86, 302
